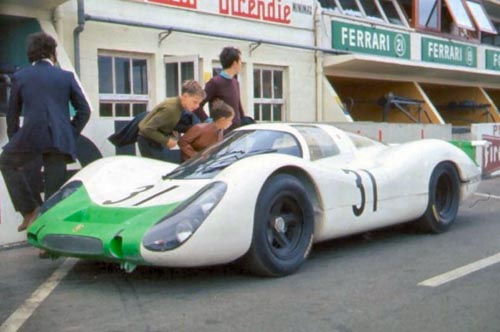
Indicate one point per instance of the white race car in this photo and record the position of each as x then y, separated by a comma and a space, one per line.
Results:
262, 196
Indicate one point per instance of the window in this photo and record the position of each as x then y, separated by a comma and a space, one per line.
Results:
178, 70
462, 18
384, 11
459, 14
238, 144
372, 11
393, 13
362, 142
480, 17
123, 85
268, 94
490, 38
350, 7
429, 14
330, 5
408, 12
321, 145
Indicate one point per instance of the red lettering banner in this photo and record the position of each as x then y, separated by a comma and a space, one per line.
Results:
192, 4
264, 10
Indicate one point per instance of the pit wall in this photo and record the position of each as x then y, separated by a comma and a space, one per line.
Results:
397, 132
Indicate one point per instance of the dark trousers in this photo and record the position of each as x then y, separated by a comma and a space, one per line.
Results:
21, 173
154, 150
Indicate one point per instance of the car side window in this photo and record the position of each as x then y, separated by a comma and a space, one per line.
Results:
361, 142
280, 141
287, 144
321, 145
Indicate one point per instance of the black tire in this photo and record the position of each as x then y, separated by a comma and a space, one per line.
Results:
444, 198
283, 228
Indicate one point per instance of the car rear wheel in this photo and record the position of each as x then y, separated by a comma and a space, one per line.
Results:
444, 198
283, 228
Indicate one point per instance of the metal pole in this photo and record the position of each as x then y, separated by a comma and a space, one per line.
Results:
76, 34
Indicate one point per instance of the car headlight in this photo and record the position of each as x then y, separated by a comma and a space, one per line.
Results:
59, 195
178, 226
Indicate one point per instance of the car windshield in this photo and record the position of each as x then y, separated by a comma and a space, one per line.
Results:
237, 145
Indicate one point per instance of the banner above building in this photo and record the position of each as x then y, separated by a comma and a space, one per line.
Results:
370, 40
293, 13
492, 60
448, 52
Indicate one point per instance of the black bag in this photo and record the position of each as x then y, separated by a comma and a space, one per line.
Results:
128, 134
246, 120
187, 120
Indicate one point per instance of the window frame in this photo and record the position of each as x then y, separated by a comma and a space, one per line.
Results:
259, 101
419, 26
464, 31
472, 14
360, 9
380, 10
339, 10
120, 98
401, 14
492, 39
167, 59
454, 15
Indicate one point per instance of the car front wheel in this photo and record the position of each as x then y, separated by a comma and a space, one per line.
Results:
283, 228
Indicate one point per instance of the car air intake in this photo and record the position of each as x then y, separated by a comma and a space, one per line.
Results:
79, 245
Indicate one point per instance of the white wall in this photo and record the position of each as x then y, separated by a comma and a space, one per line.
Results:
299, 64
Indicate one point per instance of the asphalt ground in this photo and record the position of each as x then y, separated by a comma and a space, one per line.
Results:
393, 279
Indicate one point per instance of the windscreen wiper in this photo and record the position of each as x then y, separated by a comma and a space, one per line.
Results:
219, 164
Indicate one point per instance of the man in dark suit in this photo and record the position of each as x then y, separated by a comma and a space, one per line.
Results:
43, 92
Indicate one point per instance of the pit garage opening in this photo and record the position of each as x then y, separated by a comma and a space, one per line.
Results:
461, 105
384, 101
494, 95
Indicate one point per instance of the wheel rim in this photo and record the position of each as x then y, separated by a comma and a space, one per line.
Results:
285, 227
444, 200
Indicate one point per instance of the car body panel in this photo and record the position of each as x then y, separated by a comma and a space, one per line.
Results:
356, 185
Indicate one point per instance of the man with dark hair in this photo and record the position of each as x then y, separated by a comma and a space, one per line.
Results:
225, 86
41, 46
43, 91
157, 130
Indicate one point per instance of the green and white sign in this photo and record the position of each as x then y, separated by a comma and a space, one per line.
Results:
371, 40
492, 60
450, 53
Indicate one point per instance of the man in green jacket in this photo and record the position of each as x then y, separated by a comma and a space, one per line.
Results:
156, 130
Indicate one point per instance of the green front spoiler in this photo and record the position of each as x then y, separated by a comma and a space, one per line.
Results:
78, 227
